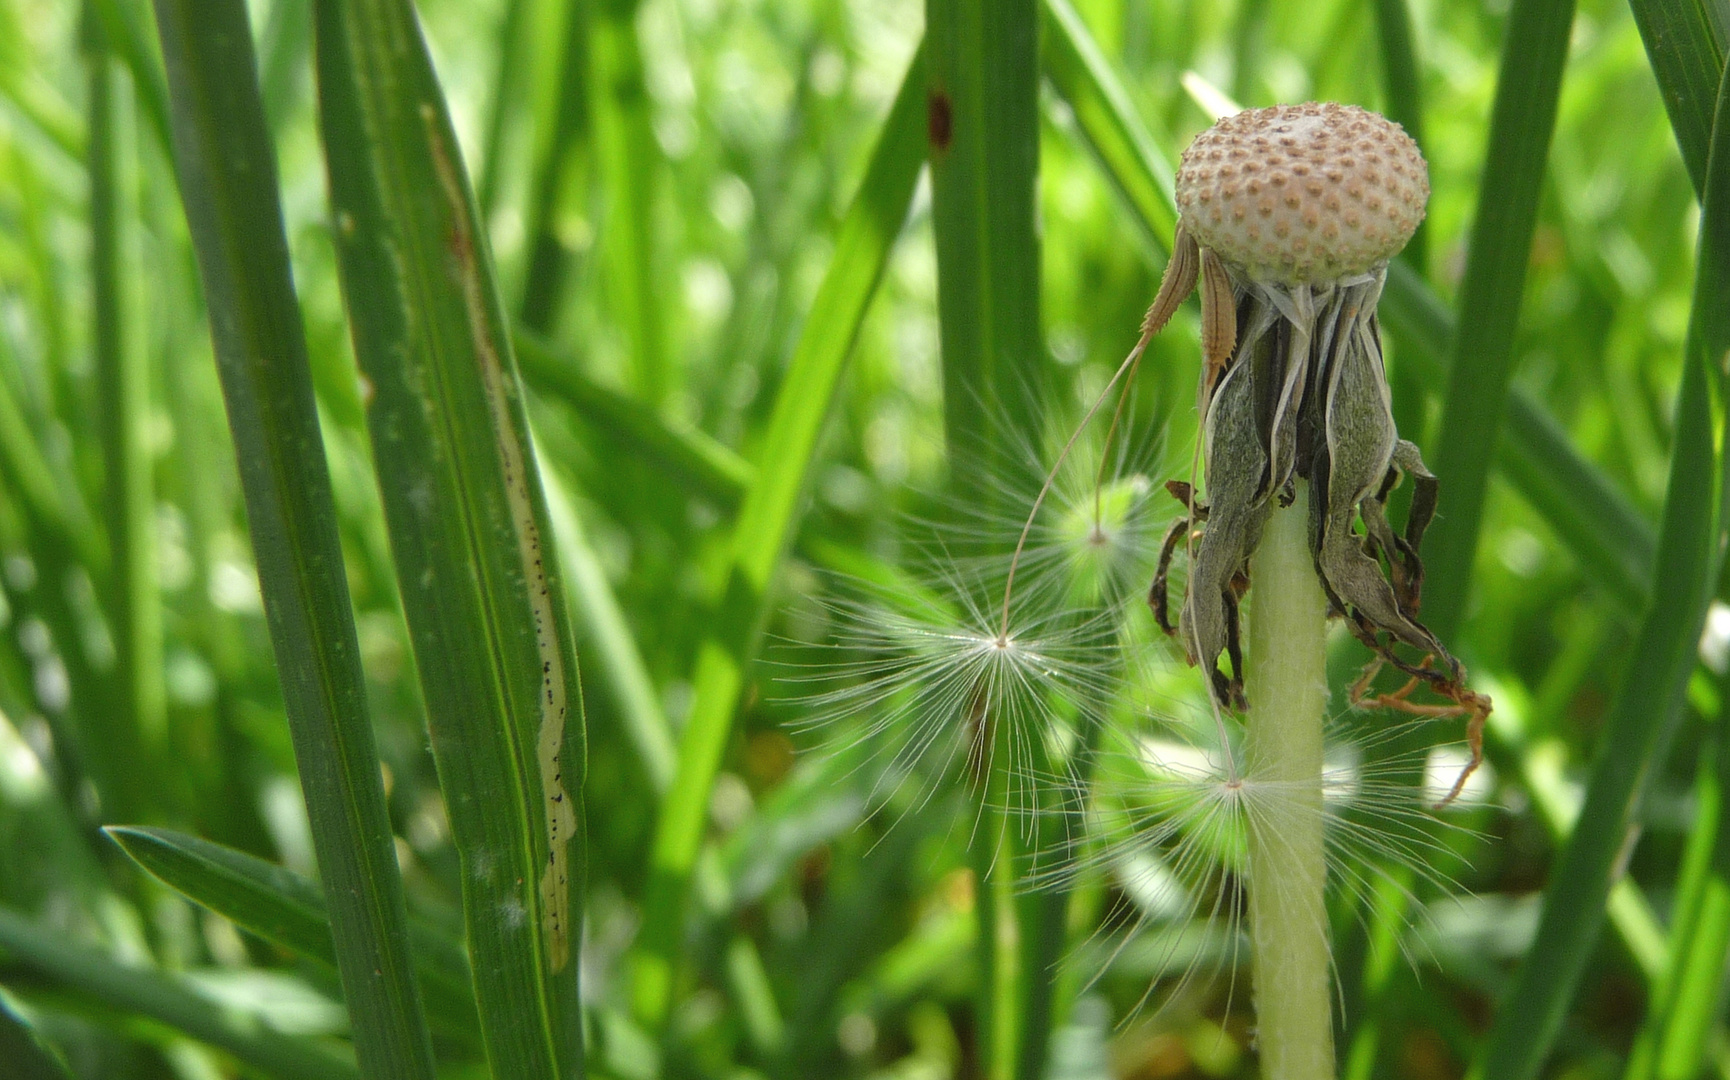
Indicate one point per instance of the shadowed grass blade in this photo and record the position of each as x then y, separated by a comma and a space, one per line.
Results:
288, 910
1686, 57
468, 525
167, 999
1661, 661
132, 730
1535, 47
712, 469
228, 183
766, 525
25, 1051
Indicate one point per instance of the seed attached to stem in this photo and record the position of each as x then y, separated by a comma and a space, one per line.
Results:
1288, 217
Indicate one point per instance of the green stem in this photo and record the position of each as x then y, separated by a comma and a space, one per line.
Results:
1287, 689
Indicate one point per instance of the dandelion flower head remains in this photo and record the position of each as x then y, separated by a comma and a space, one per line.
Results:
1287, 219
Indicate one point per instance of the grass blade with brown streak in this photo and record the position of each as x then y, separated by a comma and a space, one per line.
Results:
468, 525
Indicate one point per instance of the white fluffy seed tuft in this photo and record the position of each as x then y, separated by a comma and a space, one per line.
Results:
1303, 193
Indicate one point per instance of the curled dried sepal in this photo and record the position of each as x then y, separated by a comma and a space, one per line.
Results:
1218, 324
1176, 284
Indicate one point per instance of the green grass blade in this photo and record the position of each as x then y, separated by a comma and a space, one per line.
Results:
1535, 48
1113, 129
605, 627
288, 910
1686, 57
26, 1052
629, 160
710, 468
1403, 81
126, 25
1600, 525
1662, 660
52, 505
766, 525
984, 147
562, 156
133, 729
228, 182
169, 1000
468, 525
507, 78
1696, 996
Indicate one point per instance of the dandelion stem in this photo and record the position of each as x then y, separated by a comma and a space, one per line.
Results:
1287, 693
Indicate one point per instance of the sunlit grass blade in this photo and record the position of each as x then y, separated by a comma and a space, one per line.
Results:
28, 1054
1114, 131
1698, 955
166, 999
228, 182
766, 525
712, 469
468, 525
1661, 661
132, 728
1524, 116
288, 910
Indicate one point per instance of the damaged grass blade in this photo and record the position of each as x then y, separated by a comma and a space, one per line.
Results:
467, 521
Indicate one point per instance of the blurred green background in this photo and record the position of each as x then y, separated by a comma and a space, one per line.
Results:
664, 186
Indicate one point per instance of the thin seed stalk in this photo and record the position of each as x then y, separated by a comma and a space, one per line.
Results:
1287, 692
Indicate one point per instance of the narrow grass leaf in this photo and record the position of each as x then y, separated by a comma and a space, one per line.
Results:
1534, 50
711, 469
1686, 57
167, 999
1403, 82
563, 154
288, 910
605, 627
132, 729
28, 1054
984, 147
468, 525
1662, 659
1109, 124
766, 525
228, 183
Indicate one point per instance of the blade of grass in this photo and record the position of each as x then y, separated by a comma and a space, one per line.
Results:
983, 121
1610, 537
228, 182
1535, 48
288, 910
1114, 131
468, 525
1698, 956
1662, 660
1686, 57
766, 525
629, 161
28, 1055
712, 469
169, 1000
126, 25
1403, 83
563, 155
507, 76
133, 731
